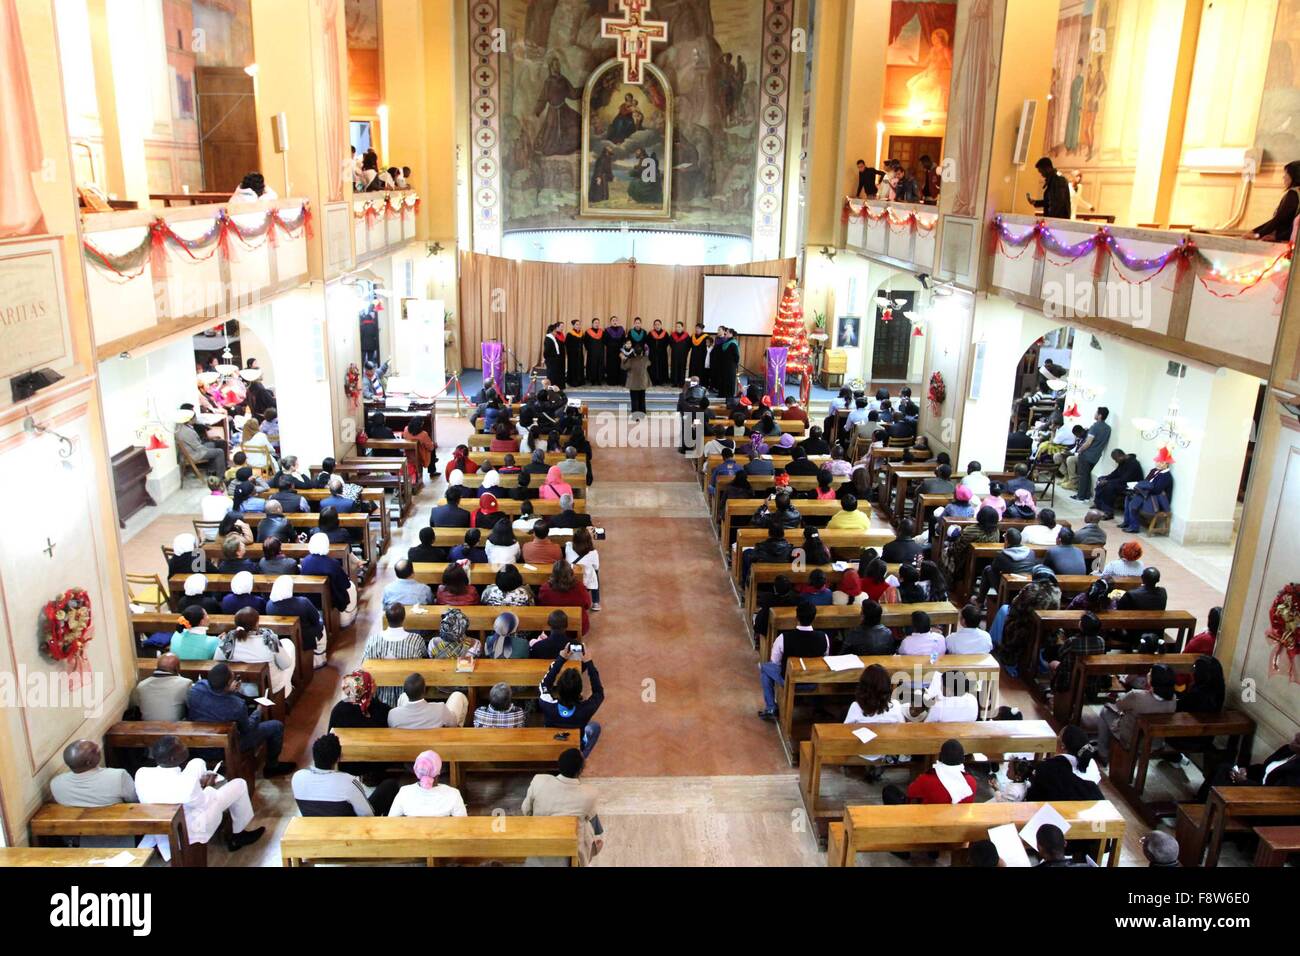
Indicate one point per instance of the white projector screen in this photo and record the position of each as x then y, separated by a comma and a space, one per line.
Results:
745, 303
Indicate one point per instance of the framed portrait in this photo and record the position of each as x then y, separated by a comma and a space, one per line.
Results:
627, 145
848, 335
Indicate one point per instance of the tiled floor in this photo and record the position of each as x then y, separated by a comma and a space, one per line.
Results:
687, 774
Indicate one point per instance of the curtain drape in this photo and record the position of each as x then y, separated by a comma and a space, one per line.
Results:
514, 302
932, 16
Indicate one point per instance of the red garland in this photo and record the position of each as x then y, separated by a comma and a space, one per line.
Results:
69, 627
1284, 623
352, 385
937, 393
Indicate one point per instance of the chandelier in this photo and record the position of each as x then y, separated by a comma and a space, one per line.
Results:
1171, 427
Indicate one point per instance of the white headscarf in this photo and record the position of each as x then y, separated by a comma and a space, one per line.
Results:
242, 583
318, 543
183, 543
282, 589
954, 781
457, 477
195, 585
491, 480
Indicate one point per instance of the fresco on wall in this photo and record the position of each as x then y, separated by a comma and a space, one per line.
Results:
1278, 130
1085, 33
709, 69
627, 133
918, 62
20, 209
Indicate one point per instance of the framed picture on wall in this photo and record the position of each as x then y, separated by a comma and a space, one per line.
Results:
34, 336
848, 332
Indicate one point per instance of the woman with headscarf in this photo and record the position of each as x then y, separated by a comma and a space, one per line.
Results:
196, 587
187, 557
456, 479
984, 529
555, 487
1015, 636
756, 447
427, 797
249, 643
1128, 564
501, 547
505, 642
491, 482
343, 592
961, 505
1096, 599
996, 502
359, 707
488, 513
508, 590
1023, 508
284, 603
241, 595
460, 461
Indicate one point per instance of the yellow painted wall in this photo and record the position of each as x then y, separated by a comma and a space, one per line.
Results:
826, 187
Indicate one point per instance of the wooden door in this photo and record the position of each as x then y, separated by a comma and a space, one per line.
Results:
227, 126
908, 150
891, 352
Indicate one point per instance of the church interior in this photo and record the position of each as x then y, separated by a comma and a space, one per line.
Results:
589, 432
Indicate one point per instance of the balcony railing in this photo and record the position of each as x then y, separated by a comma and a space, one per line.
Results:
382, 221
901, 232
151, 273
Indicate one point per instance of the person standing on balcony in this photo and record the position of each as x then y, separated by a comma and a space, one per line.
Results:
1055, 203
253, 188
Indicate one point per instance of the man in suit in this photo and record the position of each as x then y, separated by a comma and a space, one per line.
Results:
1150, 495
1021, 480
799, 463
1055, 203
903, 550
450, 515
1111, 487
815, 444
275, 524
1149, 597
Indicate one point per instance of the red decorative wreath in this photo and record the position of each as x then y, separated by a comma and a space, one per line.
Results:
938, 392
68, 627
352, 384
1284, 623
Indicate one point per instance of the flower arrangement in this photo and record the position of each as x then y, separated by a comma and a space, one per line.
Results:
68, 626
1284, 622
352, 384
937, 393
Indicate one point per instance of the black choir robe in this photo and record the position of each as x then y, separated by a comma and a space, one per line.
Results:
679, 353
615, 336
553, 356
658, 358
575, 352
726, 361
594, 340
699, 350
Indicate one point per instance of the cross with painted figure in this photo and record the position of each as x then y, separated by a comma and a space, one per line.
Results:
636, 36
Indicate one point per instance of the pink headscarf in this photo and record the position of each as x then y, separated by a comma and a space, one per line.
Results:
555, 486
1025, 499
428, 767
997, 503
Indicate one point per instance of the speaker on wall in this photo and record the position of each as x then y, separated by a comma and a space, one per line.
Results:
280, 132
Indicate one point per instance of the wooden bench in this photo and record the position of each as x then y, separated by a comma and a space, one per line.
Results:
523, 675
303, 585
1068, 706
400, 448
913, 827
511, 480
834, 745
255, 552
822, 682
900, 476
374, 496
350, 522
481, 575
376, 473
450, 537
427, 617
767, 483
510, 506
763, 575
143, 734
53, 821
483, 441
710, 463
461, 748
1276, 844
1229, 808
983, 552
258, 675
1045, 622
1128, 767
941, 527
1010, 585
370, 839
738, 512
150, 622
24, 856
841, 543
831, 618
498, 458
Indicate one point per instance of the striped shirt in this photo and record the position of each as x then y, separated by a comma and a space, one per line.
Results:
394, 644
486, 716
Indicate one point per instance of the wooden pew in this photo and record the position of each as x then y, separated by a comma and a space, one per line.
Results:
498, 458
943, 615
53, 821
143, 734
378, 473
766, 484
1184, 622
917, 671
942, 526
899, 478
450, 537
1070, 584
846, 544
255, 552
737, 513
1276, 844
368, 839
1070, 709
709, 463
511, 480
24, 856
427, 617
374, 496
834, 745
151, 622
399, 448
1228, 806
523, 675
761, 575
461, 748
1128, 768
303, 584
548, 506
982, 552
370, 549
257, 674
874, 829
481, 575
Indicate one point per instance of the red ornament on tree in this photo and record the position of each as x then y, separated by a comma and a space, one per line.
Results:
790, 333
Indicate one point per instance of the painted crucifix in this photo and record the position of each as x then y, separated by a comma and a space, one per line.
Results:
636, 36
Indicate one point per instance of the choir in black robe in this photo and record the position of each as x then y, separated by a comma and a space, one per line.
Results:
726, 361
615, 336
679, 353
658, 357
699, 349
575, 352
553, 356
595, 342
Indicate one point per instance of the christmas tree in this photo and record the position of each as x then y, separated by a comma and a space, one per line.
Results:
790, 333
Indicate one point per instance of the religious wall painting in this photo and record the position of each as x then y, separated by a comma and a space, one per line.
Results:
918, 61
1085, 34
627, 144
20, 209
1277, 132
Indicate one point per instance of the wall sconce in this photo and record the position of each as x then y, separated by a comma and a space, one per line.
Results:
67, 447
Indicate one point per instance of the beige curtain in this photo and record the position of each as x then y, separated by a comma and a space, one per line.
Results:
514, 302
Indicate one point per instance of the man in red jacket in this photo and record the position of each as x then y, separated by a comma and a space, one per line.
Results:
947, 781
